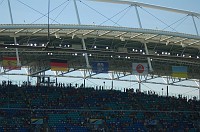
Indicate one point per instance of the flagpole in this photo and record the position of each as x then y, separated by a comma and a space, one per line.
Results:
112, 83
167, 86
84, 78
139, 83
199, 89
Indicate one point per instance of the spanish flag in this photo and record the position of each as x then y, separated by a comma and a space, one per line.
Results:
10, 63
58, 65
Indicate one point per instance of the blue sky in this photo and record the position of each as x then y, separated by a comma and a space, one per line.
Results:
28, 11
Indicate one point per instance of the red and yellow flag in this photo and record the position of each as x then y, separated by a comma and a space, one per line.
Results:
10, 63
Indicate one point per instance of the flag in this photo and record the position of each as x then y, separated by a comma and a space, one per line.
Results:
100, 67
140, 68
10, 63
58, 65
179, 71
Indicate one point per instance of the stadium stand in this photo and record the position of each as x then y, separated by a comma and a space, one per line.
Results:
66, 108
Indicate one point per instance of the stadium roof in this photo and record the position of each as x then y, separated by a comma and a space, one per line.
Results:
143, 35
118, 45
130, 38
101, 40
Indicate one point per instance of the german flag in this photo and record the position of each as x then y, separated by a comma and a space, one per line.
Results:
10, 63
58, 65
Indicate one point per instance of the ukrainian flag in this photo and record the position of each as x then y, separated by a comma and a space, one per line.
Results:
179, 71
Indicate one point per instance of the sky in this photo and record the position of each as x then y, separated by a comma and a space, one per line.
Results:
98, 13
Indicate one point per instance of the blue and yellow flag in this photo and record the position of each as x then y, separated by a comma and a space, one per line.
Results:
179, 71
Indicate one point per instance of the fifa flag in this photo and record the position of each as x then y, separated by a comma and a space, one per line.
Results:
140, 68
58, 65
179, 71
100, 67
10, 63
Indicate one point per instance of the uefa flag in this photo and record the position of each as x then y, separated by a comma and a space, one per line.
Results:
140, 68
179, 71
58, 65
10, 63
100, 67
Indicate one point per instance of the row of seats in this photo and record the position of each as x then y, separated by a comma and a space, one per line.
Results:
38, 108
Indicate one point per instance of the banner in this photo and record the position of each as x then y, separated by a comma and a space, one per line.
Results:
58, 65
140, 68
96, 121
100, 67
37, 121
10, 63
152, 122
179, 71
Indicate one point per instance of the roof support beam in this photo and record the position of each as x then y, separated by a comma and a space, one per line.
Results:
62, 74
180, 40
37, 72
150, 6
72, 32
15, 40
88, 32
120, 34
37, 31
2, 30
104, 33
55, 31
151, 37
82, 39
136, 35
195, 25
145, 44
19, 31
166, 38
